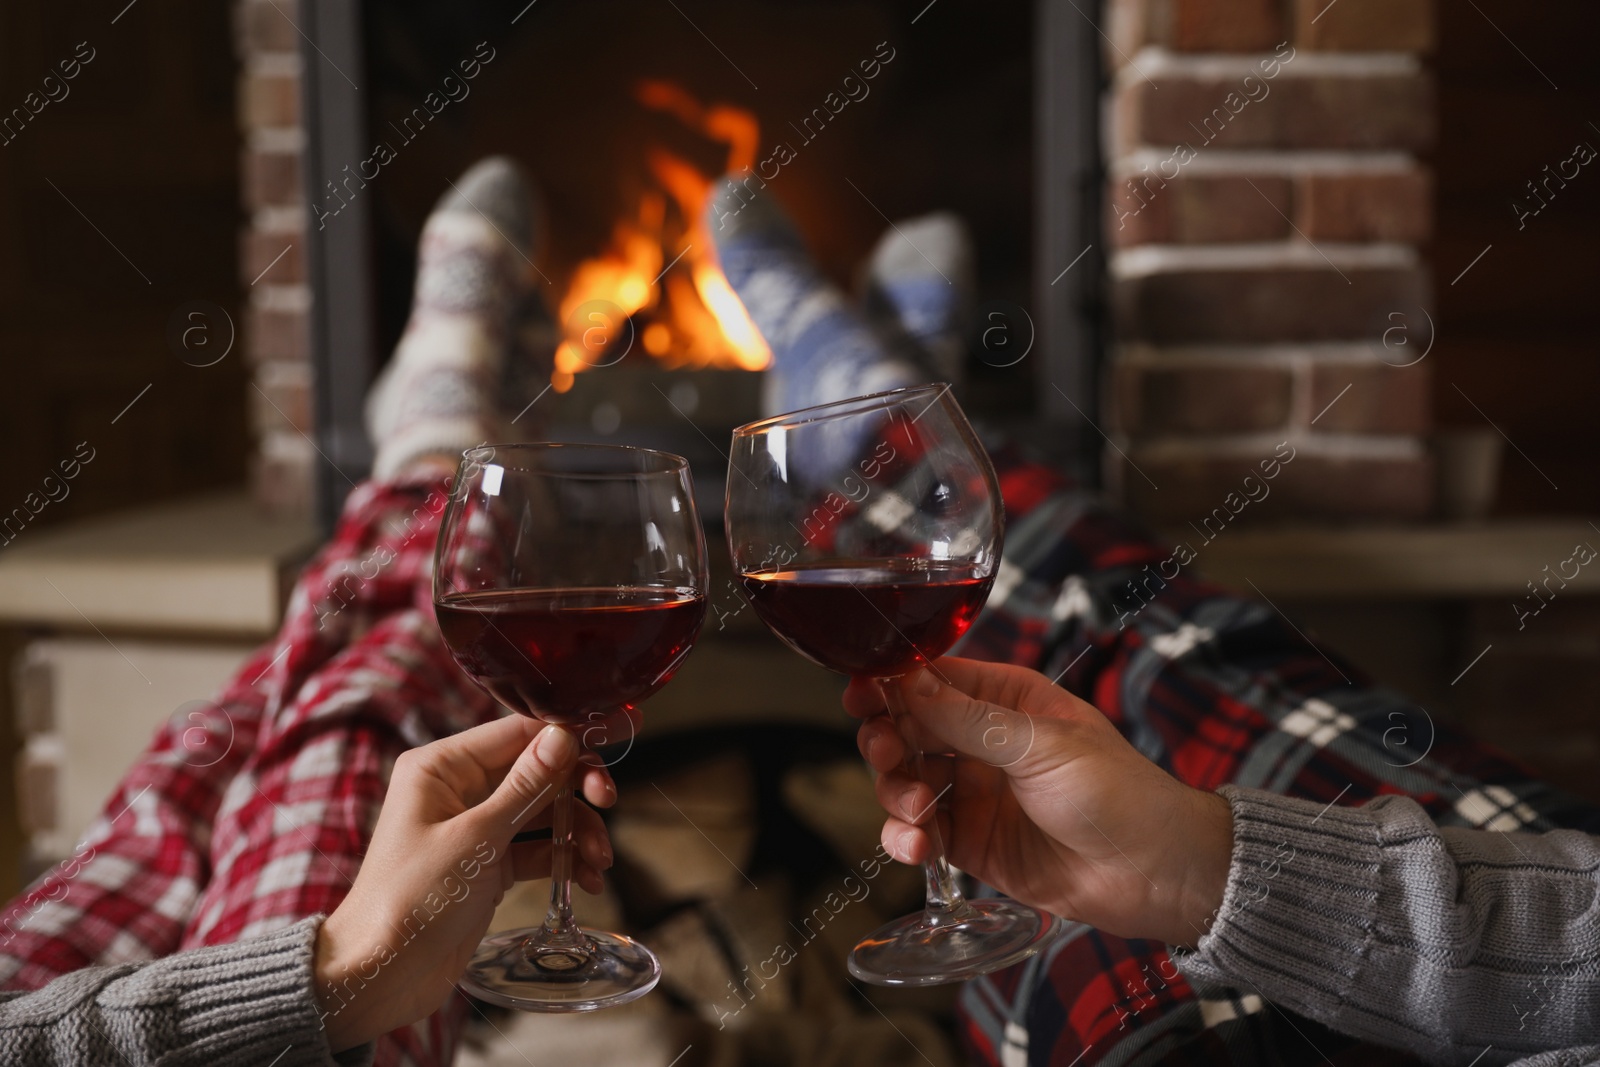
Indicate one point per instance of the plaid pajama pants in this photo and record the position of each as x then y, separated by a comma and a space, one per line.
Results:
255, 813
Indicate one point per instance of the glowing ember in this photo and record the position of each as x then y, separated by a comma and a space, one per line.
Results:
661, 264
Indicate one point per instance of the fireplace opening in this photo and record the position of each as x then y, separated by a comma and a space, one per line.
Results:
853, 115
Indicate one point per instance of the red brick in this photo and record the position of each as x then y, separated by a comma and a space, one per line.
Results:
271, 257
1364, 25
1201, 399
1262, 304
266, 26
1126, 24
1188, 488
271, 179
1194, 25
1197, 209
270, 100
282, 403
1223, 25
1395, 206
1381, 399
1363, 111
284, 484
275, 335
38, 787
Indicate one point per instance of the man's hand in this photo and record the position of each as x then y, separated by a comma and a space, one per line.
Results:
1045, 801
440, 861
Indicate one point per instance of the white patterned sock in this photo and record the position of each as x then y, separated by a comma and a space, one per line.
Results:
437, 396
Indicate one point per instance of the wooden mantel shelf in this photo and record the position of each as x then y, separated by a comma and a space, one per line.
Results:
1465, 561
213, 565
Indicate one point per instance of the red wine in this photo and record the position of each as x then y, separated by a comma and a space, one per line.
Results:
563, 655
877, 618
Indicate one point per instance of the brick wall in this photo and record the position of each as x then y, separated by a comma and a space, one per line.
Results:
276, 337
1264, 208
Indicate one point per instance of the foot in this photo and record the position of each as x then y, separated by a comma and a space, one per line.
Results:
437, 395
822, 348
920, 278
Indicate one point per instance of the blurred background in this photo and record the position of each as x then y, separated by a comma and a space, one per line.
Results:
1367, 228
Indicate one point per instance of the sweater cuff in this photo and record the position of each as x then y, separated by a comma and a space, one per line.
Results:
1297, 916
253, 996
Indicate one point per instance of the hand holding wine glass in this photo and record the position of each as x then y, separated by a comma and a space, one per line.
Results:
1048, 802
867, 533
444, 844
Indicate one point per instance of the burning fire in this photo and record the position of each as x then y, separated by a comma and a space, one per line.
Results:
662, 261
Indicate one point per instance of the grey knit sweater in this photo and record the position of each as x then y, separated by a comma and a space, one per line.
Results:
1379, 924
248, 1004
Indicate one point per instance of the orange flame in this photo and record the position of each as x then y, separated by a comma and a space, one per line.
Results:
697, 320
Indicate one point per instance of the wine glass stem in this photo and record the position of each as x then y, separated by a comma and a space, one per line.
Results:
561, 931
943, 895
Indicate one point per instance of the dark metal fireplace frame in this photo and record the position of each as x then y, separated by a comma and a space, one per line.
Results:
1065, 317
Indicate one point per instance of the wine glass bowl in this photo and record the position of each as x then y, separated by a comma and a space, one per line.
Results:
569, 583
867, 534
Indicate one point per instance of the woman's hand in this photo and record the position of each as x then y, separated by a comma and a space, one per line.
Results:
1045, 801
440, 861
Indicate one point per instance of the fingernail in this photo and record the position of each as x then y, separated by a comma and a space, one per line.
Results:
904, 842
924, 684
606, 857
555, 748
905, 802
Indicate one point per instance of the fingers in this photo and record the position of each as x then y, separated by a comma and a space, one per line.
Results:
530, 783
906, 843
588, 878
616, 729
592, 851
1004, 684
863, 698
615, 732
593, 842
1019, 731
881, 744
474, 760
531, 860
906, 799
597, 786
988, 711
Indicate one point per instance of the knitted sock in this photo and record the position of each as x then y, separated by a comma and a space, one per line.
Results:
437, 395
920, 276
822, 348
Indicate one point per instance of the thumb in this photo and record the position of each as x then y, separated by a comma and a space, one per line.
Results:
1007, 738
531, 783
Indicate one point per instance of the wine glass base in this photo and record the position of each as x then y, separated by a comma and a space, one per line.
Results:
504, 972
933, 948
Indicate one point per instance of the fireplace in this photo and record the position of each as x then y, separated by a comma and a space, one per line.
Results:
854, 114
1233, 332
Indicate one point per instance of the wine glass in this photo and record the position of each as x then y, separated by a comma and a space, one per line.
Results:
867, 535
569, 582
